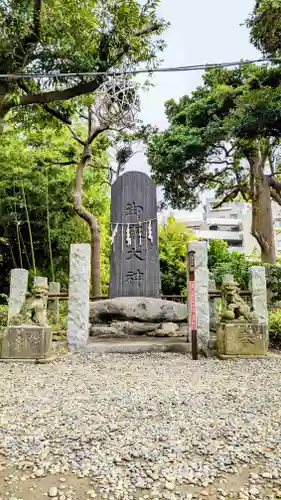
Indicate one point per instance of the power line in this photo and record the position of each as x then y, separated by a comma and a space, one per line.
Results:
196, 67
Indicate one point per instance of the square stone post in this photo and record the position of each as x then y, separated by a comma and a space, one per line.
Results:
40, 281
213, 305
201, 293
54, 304
259, 294
18, 290
79, 295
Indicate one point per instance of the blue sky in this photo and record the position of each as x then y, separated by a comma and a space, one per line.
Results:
201, 31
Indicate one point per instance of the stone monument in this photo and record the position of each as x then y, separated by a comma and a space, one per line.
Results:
135, 267
239, 332
28, 335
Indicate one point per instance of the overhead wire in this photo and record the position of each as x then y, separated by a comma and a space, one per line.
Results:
176, 69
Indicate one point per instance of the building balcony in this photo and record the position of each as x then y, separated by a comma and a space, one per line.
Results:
221, 235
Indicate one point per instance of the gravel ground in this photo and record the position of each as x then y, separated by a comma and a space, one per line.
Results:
143, 426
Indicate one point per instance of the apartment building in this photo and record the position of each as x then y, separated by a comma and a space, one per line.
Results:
232, 223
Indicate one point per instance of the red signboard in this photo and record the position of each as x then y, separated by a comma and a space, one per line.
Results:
193, 304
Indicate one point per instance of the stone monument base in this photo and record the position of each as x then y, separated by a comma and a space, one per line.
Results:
241, 339
26, 342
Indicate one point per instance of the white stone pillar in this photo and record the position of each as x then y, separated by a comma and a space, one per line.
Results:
54, 304
40, 281
259, 293
18, 290
213, 305
201, 293
79, 295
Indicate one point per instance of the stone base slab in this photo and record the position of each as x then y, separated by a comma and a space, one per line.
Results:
136, 347
38, 361
241, 338
241, 356
26, 342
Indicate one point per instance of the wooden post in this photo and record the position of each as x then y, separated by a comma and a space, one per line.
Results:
192, 302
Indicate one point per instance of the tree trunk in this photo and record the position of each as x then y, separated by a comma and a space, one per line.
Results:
91, 220
262, 220
3, 110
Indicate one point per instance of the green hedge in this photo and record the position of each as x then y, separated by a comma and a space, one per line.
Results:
3, 315
222, 261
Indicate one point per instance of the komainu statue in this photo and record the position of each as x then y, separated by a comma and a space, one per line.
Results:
233, 306
34, 309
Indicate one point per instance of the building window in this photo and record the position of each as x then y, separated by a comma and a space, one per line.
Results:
278, 245
235, 243
278, 223
213, 228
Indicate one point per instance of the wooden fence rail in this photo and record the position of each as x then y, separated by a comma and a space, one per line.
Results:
176, 298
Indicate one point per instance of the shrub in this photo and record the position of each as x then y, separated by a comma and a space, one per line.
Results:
3, 315
275, 326
222, 261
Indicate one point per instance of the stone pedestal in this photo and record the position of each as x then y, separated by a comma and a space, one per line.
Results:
26, 342
241, 339
18, 290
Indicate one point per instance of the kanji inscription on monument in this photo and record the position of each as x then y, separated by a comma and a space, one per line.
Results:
134, 266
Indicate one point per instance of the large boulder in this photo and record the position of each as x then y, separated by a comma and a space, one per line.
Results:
137, 308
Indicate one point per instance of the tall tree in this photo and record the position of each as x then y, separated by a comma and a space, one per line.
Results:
37, 185
265, 27
212, 143
66, 36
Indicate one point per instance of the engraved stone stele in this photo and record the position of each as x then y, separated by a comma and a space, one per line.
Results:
134, 265
28, 335
18, 289
79, 295
239, 332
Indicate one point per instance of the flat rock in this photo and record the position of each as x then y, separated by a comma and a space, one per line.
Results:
147, 310
106, 331
167, 330
138, 328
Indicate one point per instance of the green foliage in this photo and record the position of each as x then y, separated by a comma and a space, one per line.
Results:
220, 138
273, 273
173, 239
265, 26
26, 160
222, 261
233, 107
70, 36
3, 315
275, 326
